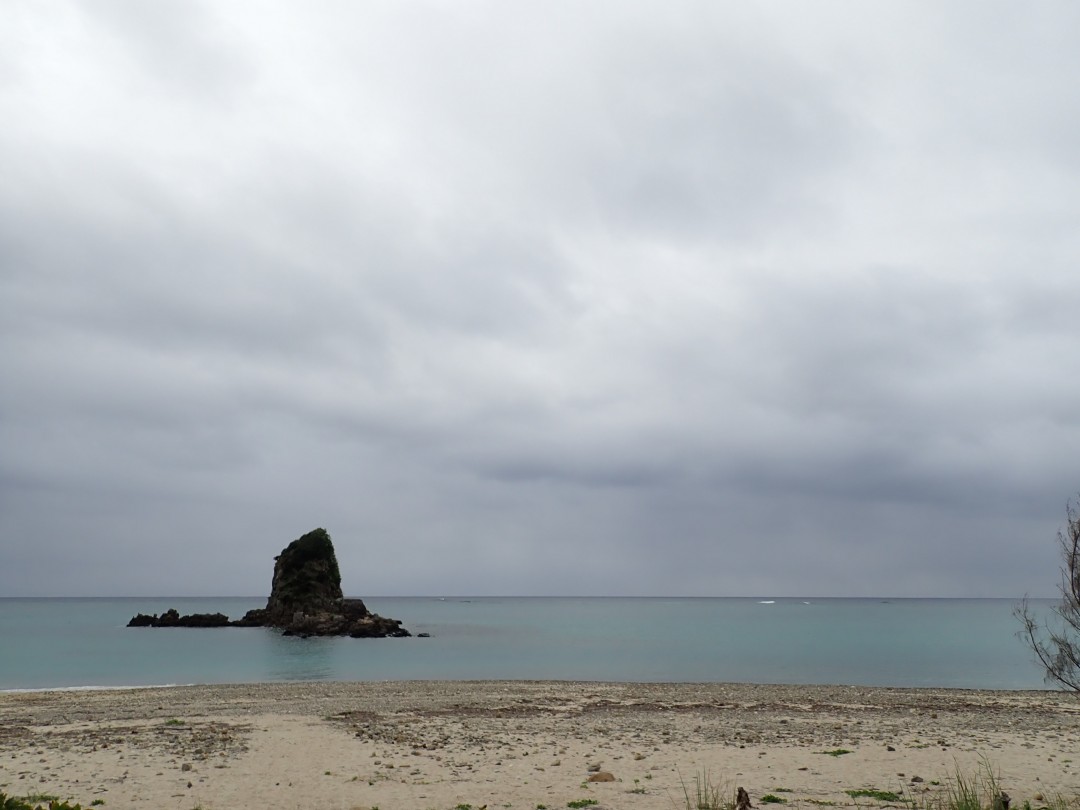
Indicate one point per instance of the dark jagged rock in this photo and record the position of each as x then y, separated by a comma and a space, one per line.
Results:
204, 620
349, 617
306, 581
305, 599
170, 618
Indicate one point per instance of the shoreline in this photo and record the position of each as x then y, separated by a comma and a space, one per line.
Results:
439, 744
97, 688
17, 690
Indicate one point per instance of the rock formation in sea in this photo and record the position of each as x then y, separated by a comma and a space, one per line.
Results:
305, 599
171, 618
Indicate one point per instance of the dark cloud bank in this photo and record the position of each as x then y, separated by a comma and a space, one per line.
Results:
571, 299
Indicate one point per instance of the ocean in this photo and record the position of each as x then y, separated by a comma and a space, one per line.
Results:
964, 643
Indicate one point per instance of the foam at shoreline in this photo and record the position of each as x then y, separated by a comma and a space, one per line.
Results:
93, 688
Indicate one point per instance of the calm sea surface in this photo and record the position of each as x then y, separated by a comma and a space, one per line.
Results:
899, 642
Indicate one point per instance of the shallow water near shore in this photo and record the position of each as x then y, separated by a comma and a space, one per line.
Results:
963, 643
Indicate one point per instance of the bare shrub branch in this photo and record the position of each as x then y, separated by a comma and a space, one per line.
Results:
1058, 648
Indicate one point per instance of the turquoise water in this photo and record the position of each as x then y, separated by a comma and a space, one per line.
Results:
968, 643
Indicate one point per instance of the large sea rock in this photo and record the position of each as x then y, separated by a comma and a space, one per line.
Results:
305, 599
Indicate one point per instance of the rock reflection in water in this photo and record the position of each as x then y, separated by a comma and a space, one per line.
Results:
300, 659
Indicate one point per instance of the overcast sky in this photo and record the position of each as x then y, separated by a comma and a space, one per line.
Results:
644, 298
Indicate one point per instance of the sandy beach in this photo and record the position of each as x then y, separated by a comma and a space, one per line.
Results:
525, 744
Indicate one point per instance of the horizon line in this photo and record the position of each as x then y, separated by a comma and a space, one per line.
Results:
442, 596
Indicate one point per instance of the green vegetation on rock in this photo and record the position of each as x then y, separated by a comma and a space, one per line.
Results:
308, 565
314, 545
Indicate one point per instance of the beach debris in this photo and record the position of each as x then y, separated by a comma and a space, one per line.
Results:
305, 600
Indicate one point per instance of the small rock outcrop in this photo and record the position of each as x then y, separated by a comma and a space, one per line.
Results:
170, 618
305, 599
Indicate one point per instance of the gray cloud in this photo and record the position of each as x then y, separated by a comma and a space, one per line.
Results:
641, 299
